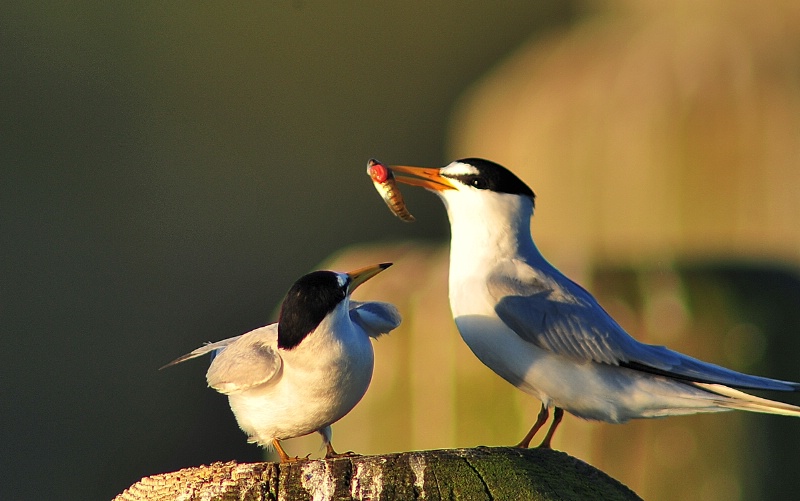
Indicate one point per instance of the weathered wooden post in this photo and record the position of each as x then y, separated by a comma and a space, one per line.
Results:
482, 473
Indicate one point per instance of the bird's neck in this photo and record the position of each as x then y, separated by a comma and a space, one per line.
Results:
335, 338
486, 234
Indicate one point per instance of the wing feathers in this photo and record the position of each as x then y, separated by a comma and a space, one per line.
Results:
206, 348
375, 317
240, 362
558, 315
251, 361
746, 402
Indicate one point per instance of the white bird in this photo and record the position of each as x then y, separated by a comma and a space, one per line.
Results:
308, 370
548, 336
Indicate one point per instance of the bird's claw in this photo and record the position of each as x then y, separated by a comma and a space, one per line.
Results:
335, 455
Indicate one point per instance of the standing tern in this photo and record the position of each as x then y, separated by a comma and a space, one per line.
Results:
545, 334
308, 370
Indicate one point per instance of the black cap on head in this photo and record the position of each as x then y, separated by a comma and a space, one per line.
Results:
493, 177
308, 301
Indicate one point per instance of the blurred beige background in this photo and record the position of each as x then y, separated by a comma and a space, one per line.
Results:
169, 170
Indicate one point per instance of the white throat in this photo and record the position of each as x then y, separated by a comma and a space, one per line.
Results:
487, 229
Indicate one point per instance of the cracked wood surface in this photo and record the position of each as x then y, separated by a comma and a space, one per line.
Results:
483, 473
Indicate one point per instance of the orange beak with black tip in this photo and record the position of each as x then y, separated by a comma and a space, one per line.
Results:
426, 177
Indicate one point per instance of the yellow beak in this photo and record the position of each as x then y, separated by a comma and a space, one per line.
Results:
361, 275
426, 177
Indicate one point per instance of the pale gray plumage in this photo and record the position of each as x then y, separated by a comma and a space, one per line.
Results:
375, 317
252, 359
571, 323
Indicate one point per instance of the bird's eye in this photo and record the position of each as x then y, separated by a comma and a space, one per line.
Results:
479, 183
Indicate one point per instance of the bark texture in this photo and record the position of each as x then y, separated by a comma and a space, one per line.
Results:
500, 473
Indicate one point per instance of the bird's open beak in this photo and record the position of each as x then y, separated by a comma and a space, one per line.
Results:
430, 178
361, 275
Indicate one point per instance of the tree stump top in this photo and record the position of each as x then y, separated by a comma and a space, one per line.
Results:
481, 473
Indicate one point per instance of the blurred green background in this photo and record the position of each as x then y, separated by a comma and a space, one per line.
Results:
170, 169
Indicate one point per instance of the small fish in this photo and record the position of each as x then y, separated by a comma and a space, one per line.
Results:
383, 179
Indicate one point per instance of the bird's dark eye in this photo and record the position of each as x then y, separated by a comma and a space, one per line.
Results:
479, 183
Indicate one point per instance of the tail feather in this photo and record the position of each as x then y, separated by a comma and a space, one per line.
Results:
744, 401
206, 348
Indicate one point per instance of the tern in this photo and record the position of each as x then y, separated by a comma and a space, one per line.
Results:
548, 336
307, 371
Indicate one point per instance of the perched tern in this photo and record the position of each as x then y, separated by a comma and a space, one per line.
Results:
308, 370
548, 336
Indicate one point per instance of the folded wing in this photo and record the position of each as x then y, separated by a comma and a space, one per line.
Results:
242, 362
560, 316
252, 360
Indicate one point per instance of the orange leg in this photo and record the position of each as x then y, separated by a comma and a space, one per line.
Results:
285, 458
557, 415
282, 453
543, 415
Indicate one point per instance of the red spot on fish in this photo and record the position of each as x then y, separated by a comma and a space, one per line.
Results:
378, 172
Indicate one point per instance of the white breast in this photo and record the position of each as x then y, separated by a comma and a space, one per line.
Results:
322, 379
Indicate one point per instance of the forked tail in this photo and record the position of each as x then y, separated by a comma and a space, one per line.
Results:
744, 401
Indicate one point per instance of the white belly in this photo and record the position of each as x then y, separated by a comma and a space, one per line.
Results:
588, 390
305, 399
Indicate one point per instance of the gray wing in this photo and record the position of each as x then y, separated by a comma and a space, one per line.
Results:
251, 360
375, 317
560, 316
240, 362
562, 322
206, 348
